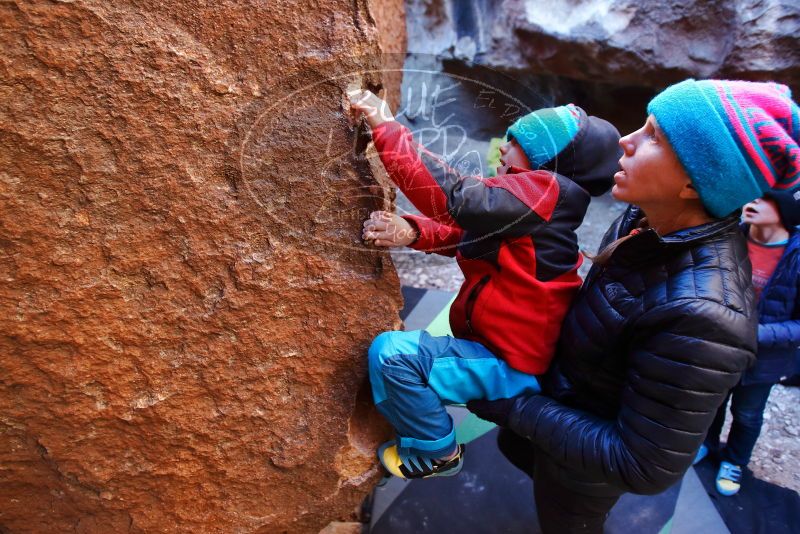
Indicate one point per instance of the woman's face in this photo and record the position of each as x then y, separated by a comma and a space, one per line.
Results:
651, 172
762, 212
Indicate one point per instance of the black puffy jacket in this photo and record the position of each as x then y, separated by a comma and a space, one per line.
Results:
649, 349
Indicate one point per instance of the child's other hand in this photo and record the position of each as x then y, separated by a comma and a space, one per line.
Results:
371, 106
387, 229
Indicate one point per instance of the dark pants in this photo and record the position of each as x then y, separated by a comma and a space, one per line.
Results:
747, 406
560, 510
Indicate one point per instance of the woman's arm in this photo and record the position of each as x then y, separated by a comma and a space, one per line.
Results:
677, 378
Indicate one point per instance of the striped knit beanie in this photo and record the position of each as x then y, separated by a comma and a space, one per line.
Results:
544, 133
736, 140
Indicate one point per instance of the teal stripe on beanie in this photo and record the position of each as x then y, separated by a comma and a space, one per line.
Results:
689, 116
546, 132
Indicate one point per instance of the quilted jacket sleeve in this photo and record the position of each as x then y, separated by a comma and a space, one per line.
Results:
784, 334
690, 354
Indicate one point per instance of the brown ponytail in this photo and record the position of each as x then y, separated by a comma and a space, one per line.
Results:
602, 257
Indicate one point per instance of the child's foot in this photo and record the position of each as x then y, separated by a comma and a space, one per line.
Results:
728, 479
419, 466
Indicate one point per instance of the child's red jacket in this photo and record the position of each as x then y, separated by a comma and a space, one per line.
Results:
513, 237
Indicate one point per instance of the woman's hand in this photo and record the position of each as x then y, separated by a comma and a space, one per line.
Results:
387, 229
495, 411
374, 109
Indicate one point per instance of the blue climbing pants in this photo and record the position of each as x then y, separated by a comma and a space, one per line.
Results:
414, 375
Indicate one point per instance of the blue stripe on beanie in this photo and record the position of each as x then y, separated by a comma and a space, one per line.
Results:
543, 134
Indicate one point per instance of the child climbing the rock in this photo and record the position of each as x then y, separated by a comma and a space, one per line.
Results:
513, 236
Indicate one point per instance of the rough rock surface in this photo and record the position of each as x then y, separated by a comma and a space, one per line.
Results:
390, 19
185, 305
634, 42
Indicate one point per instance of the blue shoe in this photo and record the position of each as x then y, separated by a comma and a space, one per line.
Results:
728, 479
702, 452
411, 467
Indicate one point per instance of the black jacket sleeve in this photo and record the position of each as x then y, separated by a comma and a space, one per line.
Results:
677, 377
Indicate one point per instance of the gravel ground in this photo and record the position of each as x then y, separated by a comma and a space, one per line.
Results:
777, 455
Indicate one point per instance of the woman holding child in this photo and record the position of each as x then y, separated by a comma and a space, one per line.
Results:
665, 323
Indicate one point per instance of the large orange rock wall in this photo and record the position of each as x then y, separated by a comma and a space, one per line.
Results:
185, 304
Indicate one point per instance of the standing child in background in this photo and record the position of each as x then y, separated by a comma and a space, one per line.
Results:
514, 238
773, 243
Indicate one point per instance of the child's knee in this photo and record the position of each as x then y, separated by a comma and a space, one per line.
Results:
379, 349
385, 347
390, 344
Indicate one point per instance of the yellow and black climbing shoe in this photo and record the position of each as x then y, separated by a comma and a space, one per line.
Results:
418, 466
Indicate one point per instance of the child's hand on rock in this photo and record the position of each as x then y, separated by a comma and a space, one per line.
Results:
371, 106
387, 229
